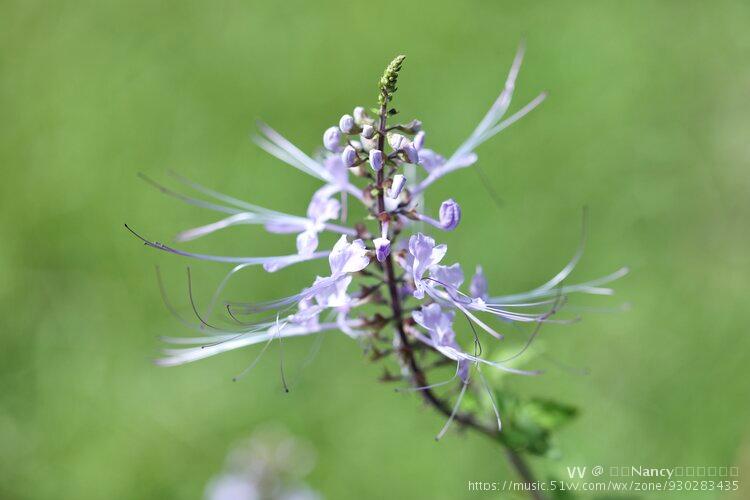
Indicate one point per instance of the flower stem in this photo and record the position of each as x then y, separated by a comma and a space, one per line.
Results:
406, 352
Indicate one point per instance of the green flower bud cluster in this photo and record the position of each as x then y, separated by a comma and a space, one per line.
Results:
387, 83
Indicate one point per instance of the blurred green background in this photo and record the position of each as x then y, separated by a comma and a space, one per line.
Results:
647, 124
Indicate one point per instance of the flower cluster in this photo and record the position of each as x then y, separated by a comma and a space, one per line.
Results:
387, 169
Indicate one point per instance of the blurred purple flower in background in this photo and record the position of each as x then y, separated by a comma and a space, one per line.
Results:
270, 465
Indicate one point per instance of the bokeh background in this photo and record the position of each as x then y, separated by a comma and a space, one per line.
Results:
647, 124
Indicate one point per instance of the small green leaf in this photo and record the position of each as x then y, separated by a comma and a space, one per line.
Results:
529, 423
550, 414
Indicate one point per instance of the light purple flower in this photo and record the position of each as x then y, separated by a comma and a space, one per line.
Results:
430, 160
432, 318
348, 257
451, 276
321, 209
307, 314
307, 242
439, 325
332, 293
339, 173
425, 255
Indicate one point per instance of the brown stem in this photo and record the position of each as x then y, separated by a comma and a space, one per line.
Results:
406, 351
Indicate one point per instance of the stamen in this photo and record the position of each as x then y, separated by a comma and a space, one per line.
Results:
188, 199
255, 362
492, 398
285, 260
243, 205
192, 304
453, 413
431, 386
168, 304
281, 355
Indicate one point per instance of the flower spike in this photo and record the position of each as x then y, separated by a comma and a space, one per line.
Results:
389, 285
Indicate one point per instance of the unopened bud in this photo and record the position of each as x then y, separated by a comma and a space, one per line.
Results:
399, 181
419, 140
400, 143
413, 126
331, 139
397, 141
450, 214
382, 248
369, 144
349, 156
411, 153
368, 132
376, 159
346, 124
360, 115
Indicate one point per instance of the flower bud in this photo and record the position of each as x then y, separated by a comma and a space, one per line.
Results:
450, 214
369, 144
349, 156
413, 126
376, 159
346, 124
382, 248
360, 115
400, 143
411, 153
399, 181
331, 139
368, 132
397, 141
419, 140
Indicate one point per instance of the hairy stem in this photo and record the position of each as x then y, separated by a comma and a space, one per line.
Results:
406, 352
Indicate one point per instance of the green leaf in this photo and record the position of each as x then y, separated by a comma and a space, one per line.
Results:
529, 423
550, 414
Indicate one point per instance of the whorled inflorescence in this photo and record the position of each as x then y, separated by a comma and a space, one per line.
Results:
399, 269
